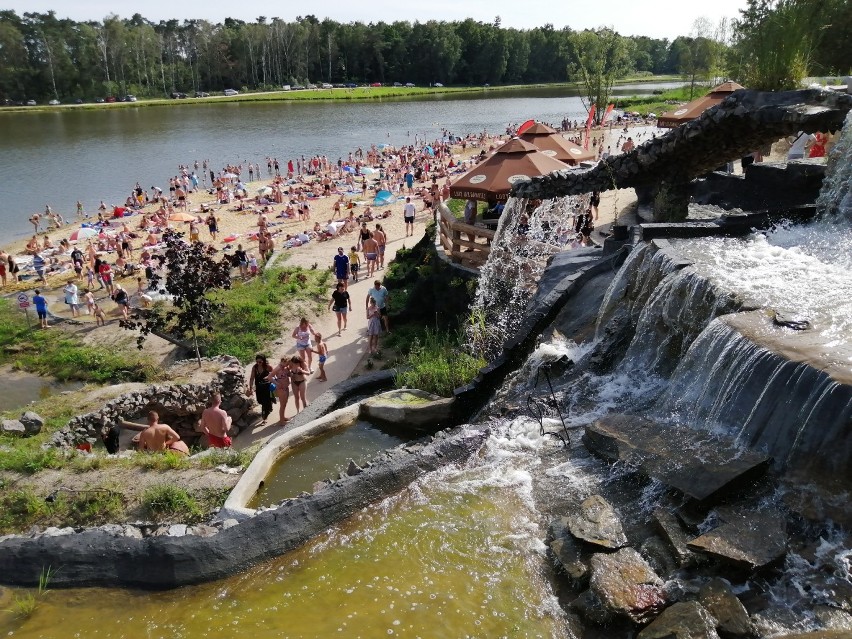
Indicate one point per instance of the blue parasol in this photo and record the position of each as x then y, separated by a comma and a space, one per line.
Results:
383, 198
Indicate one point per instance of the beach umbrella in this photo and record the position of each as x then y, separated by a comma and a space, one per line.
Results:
550, 142
383, 198
691, 110
265, 190
83, 233
492, 179
181, 217
429, 151
349, 169
366, 170
230, 176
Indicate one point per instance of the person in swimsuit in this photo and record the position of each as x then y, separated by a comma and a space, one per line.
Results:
302, 334
261, 377
381, 241
216, 423
321, 350
374, 326
371, 254
281, 379
299, 381
363, 235
157, 437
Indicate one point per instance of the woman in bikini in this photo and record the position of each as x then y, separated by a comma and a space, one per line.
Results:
299, 380
281, 377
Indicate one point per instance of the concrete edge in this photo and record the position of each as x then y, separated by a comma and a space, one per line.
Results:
259, 468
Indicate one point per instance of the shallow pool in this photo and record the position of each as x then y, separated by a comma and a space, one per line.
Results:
326, 456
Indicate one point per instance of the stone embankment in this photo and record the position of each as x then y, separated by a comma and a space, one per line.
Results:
179, 405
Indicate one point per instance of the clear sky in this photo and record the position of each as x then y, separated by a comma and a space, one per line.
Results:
655, 18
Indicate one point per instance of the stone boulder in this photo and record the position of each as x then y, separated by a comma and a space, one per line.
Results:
13, 427
670, 454
33, 422
747, 540
685, 620
731, 617
566, 552
626, 585
597, 523
409, 408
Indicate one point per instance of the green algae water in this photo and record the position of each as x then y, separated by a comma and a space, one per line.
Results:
325, 457
455, 555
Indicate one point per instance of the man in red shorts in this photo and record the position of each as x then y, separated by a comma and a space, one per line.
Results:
216, 423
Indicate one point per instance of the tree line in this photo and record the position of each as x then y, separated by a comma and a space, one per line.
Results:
43, 56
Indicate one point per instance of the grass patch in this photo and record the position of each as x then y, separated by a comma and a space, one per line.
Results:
20, 509
167, 460
252, 315
228, 457
665, 101
166, 502
30, 459
53, 352
436, 363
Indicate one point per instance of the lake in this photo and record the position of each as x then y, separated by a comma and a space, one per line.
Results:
58, 157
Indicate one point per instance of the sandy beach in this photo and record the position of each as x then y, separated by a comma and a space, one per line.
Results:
349, 348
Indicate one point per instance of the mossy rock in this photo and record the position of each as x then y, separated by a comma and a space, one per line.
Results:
409, 408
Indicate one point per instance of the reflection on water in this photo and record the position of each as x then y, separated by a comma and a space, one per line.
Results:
447, 557
325, 457
19, 389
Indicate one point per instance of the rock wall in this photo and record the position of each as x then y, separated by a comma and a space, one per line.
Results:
121, 556
179, 405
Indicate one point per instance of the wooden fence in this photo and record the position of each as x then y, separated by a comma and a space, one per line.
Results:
463, 243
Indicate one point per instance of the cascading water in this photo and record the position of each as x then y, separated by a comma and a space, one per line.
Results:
526, 237
836, 195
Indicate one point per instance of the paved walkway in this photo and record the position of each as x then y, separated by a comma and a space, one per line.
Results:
345, 350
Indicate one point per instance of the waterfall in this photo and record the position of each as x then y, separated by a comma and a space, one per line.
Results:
795, 411
836, 193
528, 234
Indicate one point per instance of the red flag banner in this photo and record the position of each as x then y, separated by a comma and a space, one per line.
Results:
607, 113
589, 127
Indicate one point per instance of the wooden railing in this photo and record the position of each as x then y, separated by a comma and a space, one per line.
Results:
463, 243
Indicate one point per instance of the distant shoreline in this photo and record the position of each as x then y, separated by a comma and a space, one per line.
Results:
320, 95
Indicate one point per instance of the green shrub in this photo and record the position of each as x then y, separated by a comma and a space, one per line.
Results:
436, 363
167, 460
30, 460
20, 509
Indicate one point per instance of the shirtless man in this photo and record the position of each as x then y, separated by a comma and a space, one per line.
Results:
157, 437
216, 423
381, 241
371, 253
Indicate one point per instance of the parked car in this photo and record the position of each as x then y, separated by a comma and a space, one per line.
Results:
312, 86
31, 102
326, 85
231, 92
286, 87
351, 85
298, 87
397, 84
177, 95
201, 94
409, 84
110, 99
54, 102
439, 85
338, 85
376, 84
130, 98
101, 100
78, 101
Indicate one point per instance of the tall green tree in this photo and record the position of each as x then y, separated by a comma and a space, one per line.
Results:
598, 59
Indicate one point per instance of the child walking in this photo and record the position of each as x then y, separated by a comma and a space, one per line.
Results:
354, 263
321, 350
374, 326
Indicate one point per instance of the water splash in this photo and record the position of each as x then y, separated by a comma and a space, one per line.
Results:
527, 236
835, 198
